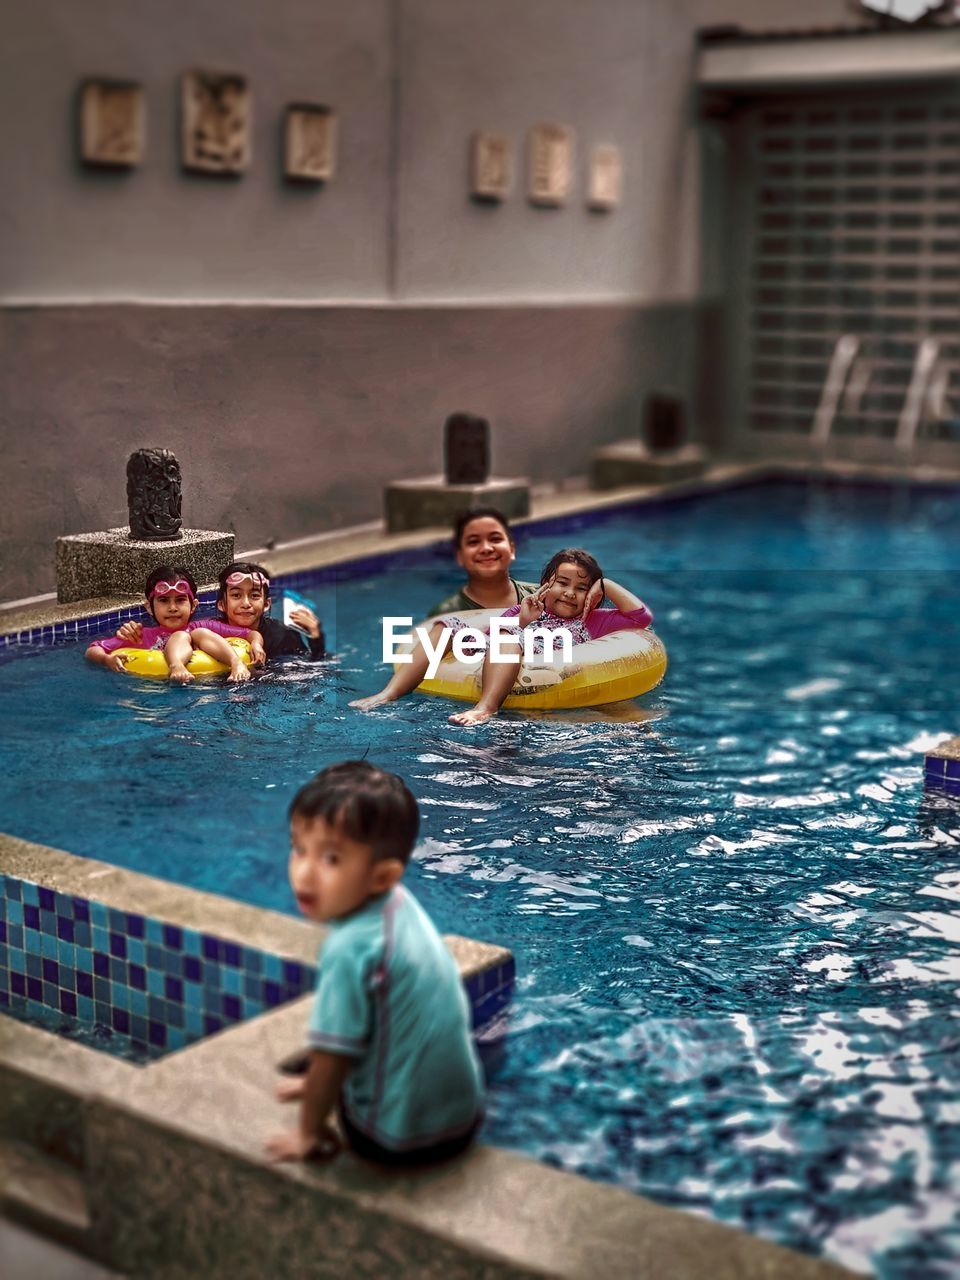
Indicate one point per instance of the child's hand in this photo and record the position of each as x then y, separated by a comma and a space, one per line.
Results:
531, 607
290, 1089
257, 652
132, 632
594, 597
293, 1145
307, 619
115, 662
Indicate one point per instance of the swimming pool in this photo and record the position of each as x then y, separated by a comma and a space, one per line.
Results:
734, 917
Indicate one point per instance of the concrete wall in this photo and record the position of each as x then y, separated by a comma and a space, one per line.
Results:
71, 232
411, 80
288, 420
313, 339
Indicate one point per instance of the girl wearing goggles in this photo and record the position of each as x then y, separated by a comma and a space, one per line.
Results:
171, 596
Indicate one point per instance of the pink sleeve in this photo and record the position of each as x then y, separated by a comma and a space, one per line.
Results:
512, 612
219, 627
602, 621
110, 643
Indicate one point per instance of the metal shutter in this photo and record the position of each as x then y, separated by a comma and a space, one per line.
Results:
855, 213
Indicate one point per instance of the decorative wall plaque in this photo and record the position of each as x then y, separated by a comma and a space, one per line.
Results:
606, 178
216, 122
310, 143
111, 124
491, 166
550, 164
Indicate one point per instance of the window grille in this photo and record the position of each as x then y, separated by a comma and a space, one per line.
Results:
854, 209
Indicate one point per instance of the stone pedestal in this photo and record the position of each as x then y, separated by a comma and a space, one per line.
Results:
417, 504
630, 462
112, 563
941, 768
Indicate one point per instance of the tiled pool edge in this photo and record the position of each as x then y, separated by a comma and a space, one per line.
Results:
172, 1152
941, 769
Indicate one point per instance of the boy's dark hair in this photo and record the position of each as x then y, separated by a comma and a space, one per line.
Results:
240, 566
573, 555
366, 804
167, 573
477, 513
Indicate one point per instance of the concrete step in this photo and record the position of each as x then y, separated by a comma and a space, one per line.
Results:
27, 1256
44, 1194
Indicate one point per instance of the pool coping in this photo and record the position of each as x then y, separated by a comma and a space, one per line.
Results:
171, 1151
371, 541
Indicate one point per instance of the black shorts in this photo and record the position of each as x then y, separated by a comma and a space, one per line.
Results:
368, 1149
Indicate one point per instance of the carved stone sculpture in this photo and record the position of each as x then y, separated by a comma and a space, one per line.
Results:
154, 495
663, 424
466, 449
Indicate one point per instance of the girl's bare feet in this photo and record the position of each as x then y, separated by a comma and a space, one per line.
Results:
476, 715
238, 674
179, 673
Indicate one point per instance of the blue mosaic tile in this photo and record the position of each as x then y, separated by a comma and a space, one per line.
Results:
155, 984
953, 769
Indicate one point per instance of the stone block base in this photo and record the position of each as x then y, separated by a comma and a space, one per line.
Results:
941, 768
111, 563
630, 462
418, 504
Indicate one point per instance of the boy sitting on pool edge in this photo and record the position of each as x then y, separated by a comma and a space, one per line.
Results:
389, 1031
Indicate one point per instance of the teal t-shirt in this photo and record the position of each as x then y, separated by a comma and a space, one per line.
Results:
460, 602
389, 995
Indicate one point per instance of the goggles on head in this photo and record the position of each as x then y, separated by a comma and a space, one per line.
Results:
255, 580
165, 588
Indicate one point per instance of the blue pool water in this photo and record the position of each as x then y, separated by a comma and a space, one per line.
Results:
736, 919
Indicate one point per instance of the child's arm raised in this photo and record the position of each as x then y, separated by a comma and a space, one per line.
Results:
621, 598
131, 632
320, 1090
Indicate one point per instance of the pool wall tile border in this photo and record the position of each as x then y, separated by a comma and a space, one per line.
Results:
68, 961
167, 953
941, 768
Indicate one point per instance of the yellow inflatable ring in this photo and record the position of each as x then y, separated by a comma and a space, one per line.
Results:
152, 664
621, 665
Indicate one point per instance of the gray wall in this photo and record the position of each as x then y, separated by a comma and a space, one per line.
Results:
288, 420
312, 340
396, 221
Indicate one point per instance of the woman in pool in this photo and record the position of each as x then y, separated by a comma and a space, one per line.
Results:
483, 546
571, 587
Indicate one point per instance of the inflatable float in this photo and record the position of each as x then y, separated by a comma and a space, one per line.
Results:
618, 666
153, 665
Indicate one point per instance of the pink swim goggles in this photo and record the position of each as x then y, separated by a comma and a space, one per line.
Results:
165, 588
255, 580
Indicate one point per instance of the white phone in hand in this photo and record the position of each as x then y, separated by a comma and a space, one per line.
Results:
293, 601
